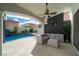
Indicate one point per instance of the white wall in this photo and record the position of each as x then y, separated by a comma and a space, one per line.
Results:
73, 10
22, 28
10, 28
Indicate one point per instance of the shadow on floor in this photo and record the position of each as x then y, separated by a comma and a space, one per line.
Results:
45, 50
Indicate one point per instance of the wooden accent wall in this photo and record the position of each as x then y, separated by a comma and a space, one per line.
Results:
54, 24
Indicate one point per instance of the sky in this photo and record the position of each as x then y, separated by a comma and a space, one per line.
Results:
21, 19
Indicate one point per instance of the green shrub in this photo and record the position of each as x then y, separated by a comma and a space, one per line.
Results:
25, 30
31, 30
67, 30
15, 30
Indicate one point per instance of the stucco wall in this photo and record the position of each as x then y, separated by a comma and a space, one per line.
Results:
11, 24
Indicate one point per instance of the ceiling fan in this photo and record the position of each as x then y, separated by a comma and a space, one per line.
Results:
47, 13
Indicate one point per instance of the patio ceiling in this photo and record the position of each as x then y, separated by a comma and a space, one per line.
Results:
39, 8
35, 9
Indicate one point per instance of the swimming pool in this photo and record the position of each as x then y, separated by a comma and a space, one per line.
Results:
10, 38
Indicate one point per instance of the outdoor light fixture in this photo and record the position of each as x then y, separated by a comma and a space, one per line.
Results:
4, 16
55, 24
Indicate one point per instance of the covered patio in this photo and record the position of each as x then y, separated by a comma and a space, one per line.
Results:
30, 46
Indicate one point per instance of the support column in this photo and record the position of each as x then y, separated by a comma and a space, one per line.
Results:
1, 32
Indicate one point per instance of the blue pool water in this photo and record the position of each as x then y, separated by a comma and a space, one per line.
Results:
10, 38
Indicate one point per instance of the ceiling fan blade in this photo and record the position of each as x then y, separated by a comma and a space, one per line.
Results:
42, 14
49, 17
52, 13
43, 17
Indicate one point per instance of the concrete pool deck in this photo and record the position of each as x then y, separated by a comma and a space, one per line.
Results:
28, 47
19, 47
